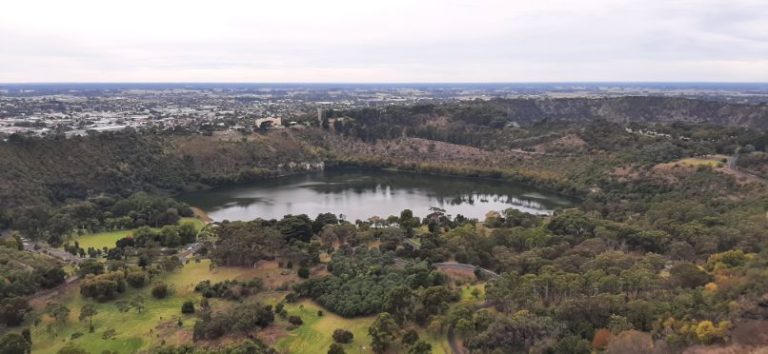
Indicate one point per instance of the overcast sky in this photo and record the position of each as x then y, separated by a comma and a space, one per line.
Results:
383, 40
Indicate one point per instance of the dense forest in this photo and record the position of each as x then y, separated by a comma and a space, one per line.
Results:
665, 251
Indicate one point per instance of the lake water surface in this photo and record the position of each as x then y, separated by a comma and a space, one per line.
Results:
361, 194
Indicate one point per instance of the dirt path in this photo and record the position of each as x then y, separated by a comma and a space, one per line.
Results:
455, 347
463, 267
39, 299
733, 169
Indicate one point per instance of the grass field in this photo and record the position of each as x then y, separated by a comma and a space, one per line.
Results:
315, 335
157, 324
714, 161
466, 293
135, 331
108, 239
711, 161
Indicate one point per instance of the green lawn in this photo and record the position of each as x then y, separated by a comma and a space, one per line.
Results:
108, 239
135, 331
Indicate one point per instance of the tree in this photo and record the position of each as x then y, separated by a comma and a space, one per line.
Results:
342, 336
408, 222
187, 232
573, 345
52, 277
188, 307
398, 302
87, 312
707, 332
618, 324
13, 310
303, 272
324, 219
420, 347
27, 334
571, 223
601, 339
58, 311
688, 275
382, 331
91, 266
13, 343
336, 348
295, 227
630, 342
410, 337
136, 279
138, 303
102, 287
160, 291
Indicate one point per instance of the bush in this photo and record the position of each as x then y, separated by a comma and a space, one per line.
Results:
136, 279
343, 336
12, 343
295, 320
188, 307
160, 291
410, 337
304, 272
291, 297
336, 348
102, 287
243, 318
108, 334
91, 266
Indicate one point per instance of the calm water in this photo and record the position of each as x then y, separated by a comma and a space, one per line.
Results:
362, 194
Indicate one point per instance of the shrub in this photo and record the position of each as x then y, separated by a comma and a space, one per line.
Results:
291, 297
160, 291
410, 337
136, 279
295, 320
102, 287
303, 272
108, 334
342, 336
336, 348
188, 307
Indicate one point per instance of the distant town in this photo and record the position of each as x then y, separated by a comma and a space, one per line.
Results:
77, 109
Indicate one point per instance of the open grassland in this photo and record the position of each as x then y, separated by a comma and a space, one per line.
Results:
713, 161
157, 324
107, 239
468, 293
316, 334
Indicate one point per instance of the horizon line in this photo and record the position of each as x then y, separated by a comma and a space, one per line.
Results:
376, 82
